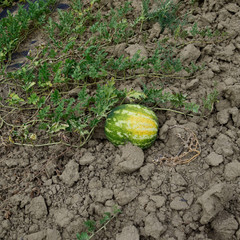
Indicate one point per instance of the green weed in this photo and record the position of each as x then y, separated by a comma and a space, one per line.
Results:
165, 14
7, 3
91, 225
210, 100
206, 32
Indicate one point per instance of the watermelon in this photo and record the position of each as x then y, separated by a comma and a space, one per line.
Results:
132, 123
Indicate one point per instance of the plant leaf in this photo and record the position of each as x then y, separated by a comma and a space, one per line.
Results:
83, 236
135, 95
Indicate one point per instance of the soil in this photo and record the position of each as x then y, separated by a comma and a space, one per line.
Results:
47, 193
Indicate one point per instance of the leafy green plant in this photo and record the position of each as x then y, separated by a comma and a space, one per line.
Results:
92, 228
205, 32
177, 100
165, 14
209, 101
6, 3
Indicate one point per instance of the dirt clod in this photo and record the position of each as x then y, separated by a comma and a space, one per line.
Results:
233, 94
86, 159
63, 217
70, 175
223, 116
178, 203
223, 145
129, 232
102, 195
136, 48
232, 170
214, 200
131, 159
214, 159
224, 226
38, 208
126, 196
153, 227
190, 54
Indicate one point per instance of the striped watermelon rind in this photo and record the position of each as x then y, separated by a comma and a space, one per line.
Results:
132, 123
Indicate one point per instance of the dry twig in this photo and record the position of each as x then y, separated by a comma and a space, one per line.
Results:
190, 150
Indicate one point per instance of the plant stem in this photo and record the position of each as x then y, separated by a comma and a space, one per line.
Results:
175, 111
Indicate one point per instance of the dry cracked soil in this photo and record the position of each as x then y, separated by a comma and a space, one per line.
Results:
47, 193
